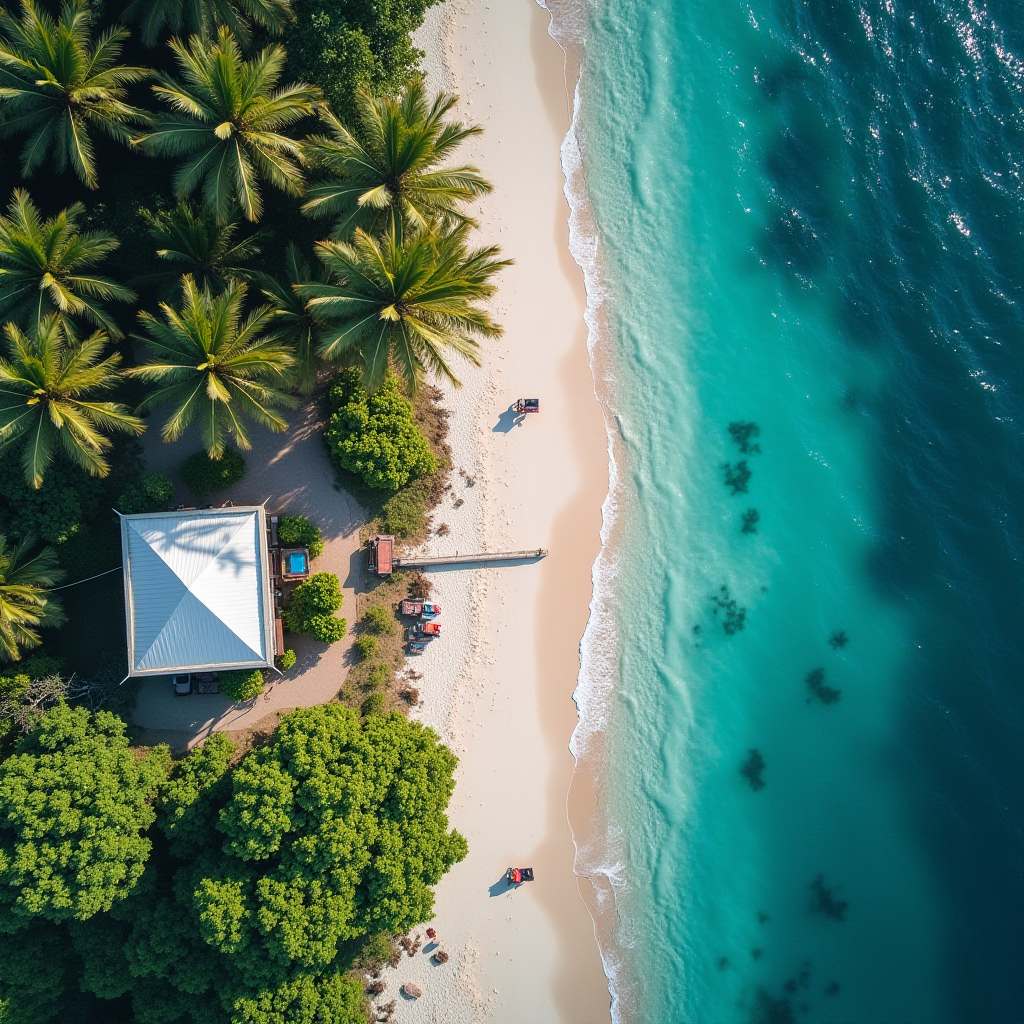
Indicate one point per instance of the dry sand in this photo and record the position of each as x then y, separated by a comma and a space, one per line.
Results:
501, 692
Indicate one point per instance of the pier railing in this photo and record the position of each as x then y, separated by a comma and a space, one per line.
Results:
425, 561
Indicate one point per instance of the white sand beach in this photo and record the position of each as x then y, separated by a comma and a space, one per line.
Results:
498, 687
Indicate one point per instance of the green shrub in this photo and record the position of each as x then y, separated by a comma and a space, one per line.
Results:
375, 436
405, 513
378, 678
374, 704
311, 609
326, 628
241, 685
152, 492
287, 660
366, 646
379, 620
35, 666
203, 474
298, 531
55, 512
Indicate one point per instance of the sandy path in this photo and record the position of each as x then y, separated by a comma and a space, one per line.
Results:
289, 472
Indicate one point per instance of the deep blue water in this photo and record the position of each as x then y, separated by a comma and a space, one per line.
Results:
811, 218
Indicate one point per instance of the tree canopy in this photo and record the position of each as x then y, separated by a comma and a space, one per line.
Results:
74, 807
202, 17
57, 84
25, 604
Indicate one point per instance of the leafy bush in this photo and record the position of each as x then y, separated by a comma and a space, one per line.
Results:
365, 646
378, 677
379, 620
152, 492
73, 784
375, 436
241, 685
310, 611
298, 531
374, 704
287, 660
405, 513
58, 510
203, 474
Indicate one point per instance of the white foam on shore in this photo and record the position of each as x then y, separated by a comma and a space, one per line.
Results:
599, 854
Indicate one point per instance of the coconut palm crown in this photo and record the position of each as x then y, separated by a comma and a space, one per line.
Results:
201, 17
191, 240
24, 603
49, 396
226, 122
45, 267
214, 368
58, 85
393, 168
404, 301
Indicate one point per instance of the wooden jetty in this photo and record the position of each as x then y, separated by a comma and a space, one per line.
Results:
425, 562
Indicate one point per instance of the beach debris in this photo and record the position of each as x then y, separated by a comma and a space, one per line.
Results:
838, 639
431, 934
410, 945
412, 990
743, 433
469, 480
752, 769
443, 530
815, 681
735, 616
824, 900
832, 988
440, 957
410, 695
385, 1011
419, 586
459, 502
750, 520
737, 477
375, 988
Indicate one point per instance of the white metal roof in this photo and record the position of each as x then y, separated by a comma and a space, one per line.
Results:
197, 591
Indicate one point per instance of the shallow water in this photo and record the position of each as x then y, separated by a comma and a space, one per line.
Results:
810, 219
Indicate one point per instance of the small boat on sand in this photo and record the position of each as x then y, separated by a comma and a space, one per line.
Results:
516, 876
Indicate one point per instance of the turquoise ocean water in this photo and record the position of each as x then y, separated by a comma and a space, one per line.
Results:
809, 227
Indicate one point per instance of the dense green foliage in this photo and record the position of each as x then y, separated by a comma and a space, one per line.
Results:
58, 84
405, 514
203, 474
46, 266
374, 704
201, 17
299, 531
50, 386
311, 609
241, 685
74, 807
347, 45
390, 167
226, 123
25, 605
365, 646
287, 660
374, 435
152, 492
378, 619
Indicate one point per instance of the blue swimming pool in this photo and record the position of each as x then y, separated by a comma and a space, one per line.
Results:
296, 562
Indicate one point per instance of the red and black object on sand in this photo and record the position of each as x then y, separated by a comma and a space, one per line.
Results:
516, 876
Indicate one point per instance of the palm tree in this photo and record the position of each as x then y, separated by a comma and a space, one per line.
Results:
404, 301
228, 113
293, 323
201, 17
43, 264
211, 365
49, 384
194, 242
394, 167
58, 84
24, 602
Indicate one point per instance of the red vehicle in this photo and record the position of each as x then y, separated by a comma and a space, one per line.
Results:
427, 629
418, 608
527, 405
516, 876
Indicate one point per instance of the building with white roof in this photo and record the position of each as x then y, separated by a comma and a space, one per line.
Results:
197, 591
